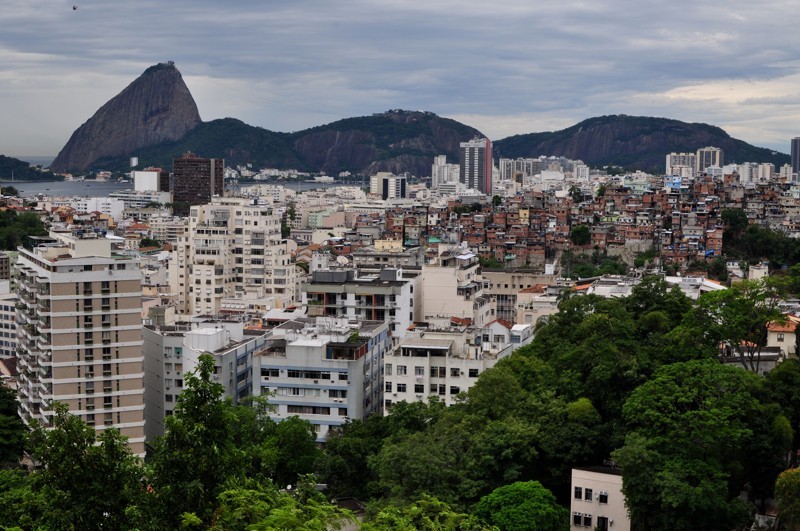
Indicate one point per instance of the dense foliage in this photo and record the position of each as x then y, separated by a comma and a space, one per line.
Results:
22, 171
16, 226
636, 379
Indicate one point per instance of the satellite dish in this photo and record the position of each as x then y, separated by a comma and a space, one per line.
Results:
342, 260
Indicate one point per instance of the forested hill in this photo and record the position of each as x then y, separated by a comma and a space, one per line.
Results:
396, 141
19, 170
633, 142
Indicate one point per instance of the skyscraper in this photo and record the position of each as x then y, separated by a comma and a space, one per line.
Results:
195, 181
708, 156
80, 334
796, 155
475, 157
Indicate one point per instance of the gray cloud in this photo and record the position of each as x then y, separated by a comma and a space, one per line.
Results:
511, 67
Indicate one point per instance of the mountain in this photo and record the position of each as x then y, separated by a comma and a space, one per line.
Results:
20, 170
157, 107
396, 141
156, 119
633, 142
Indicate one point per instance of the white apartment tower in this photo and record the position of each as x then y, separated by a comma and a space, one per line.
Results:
80, 334
442, 172
676, 162
232, 250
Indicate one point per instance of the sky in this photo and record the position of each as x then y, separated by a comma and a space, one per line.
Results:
504, 67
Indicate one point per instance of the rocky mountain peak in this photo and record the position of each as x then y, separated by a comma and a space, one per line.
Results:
156, 107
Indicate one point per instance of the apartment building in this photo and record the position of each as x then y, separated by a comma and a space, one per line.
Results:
232, 249
597, 501
8, 320
382, 296
452, 287
445, 361
80, 333
324, 370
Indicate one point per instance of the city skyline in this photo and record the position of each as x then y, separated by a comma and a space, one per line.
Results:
516, 68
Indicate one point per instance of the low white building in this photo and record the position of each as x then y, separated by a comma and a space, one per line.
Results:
597, 500
444, 362
323, 370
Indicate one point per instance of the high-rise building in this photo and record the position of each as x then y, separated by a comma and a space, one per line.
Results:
475, 157
708, 156
232, 249
796, 155
442, 172
677, 161
195, 180
80, 334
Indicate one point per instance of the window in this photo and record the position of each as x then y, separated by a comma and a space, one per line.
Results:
577, 518
343, 376
603, 498
419, 371
434, 372
419, 388
473, 373
388, 369
442, 389
442, 372
587, 494
388, 387
602, 523
401, 388
587, 520
454, 390
434, 388
780, 337
454, 372
401, 370
578, 493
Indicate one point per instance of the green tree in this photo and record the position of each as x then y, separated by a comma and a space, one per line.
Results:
425, 514
691, 432
9, 190
783, 385
497, 200
580, 235
738, 316
248, 504
88, 481
197, 454
149, 242
787, 494
12, 429
523, 506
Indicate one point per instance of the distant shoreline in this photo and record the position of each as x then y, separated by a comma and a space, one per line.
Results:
24, 181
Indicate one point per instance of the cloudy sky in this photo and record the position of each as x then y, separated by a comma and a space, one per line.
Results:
504, 67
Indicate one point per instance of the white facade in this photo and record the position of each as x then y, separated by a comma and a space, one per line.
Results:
452, 287
8, 321
442, 172
676, 162
325, 371
597, 500
145, 180
232, 247
385, 296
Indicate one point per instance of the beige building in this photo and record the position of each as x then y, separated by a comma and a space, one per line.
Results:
80, 334
452, 287
231, 250
597, 500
